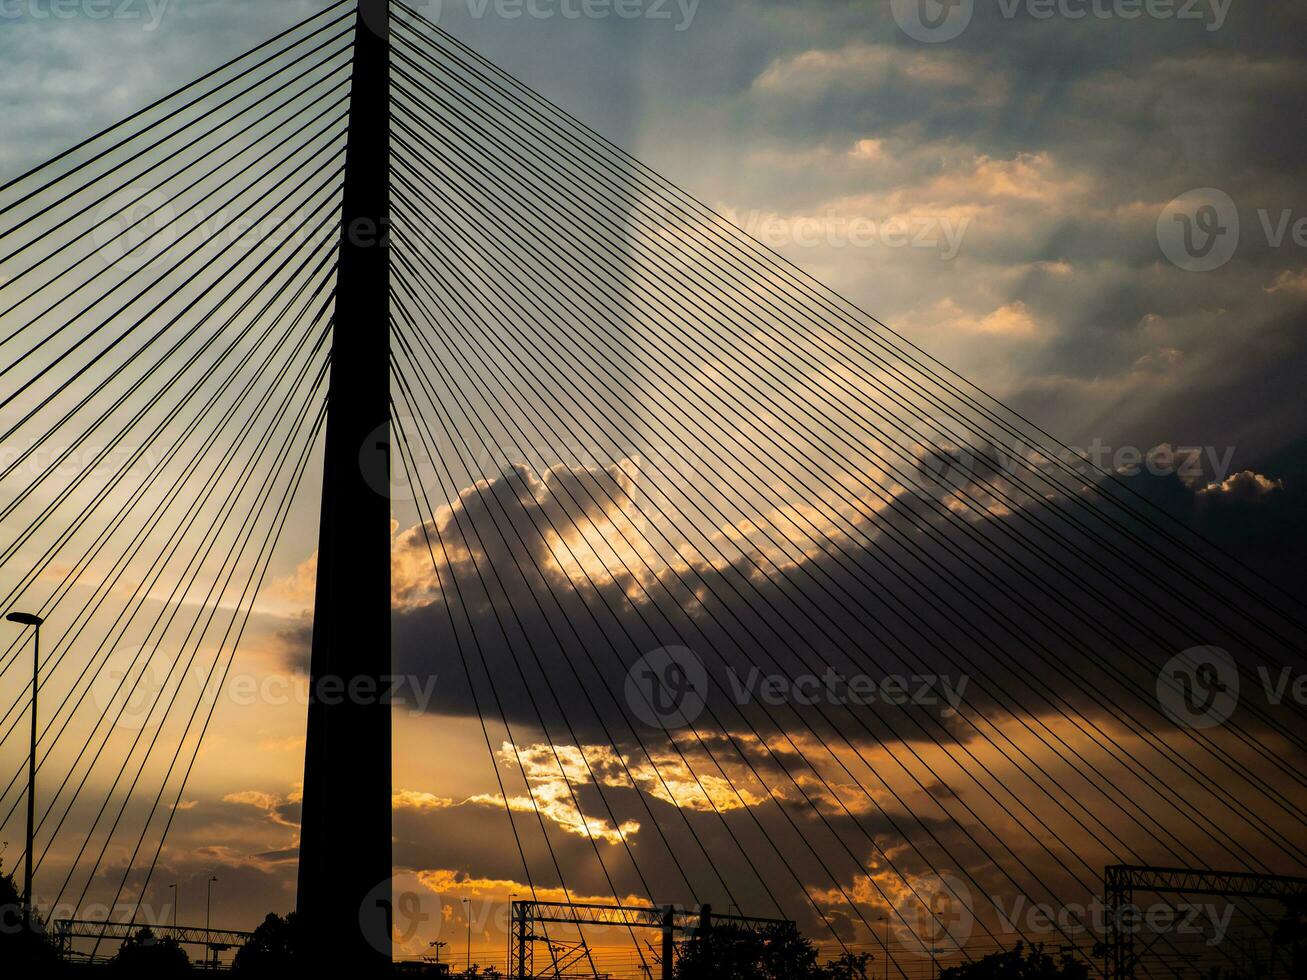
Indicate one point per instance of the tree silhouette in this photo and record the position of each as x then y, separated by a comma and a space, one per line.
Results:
731, 952
147, 957
20, 946
275, 949
1291, 938
1288, 951
1020, 963
850, 966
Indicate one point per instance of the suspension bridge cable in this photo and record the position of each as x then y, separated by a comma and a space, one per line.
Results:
582, 821
72, 446
243, 535
835, 795
524, 94
586, 174
190, 470
85, 513
91, 506
243, 147
608, 734
250, 590
471, 372
458, 593
172, 95
5, 209
763, 782
213, 485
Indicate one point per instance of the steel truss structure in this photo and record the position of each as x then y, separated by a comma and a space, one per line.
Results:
66, 930
668, 919
1122, 881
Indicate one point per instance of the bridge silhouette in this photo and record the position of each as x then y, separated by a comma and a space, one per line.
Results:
642, 459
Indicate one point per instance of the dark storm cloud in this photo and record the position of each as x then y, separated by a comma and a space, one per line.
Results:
1002, 617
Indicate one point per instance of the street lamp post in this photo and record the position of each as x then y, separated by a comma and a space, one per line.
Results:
176, 899
27, 619
208, 909
467, 904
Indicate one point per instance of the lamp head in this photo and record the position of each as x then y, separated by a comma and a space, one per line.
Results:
27, 619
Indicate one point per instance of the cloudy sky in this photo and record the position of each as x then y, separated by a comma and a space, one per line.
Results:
1003, 190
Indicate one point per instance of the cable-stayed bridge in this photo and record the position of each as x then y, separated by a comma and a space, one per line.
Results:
749, 602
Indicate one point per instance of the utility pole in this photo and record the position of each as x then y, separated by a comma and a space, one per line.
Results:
344, 896
508, 949
27, 619
520, 916
210, 952
669, 942
886, 920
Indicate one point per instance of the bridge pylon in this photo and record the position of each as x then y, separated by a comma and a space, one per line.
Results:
345, 842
